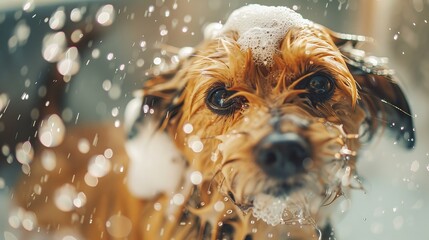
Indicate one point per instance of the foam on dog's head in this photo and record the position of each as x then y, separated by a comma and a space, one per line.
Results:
261, 28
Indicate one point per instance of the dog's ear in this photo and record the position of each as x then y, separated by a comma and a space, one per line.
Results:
381, 96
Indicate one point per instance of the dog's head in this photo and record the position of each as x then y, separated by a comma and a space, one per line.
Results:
286, 123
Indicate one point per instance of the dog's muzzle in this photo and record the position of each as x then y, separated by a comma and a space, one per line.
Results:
282, 155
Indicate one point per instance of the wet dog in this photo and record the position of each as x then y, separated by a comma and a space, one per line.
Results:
253, 134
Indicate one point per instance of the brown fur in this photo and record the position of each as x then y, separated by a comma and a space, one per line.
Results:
231, 177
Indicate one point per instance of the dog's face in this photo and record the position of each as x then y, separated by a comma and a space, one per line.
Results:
271, 129
287, 130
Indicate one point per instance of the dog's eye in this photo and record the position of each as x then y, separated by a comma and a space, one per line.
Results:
220, 102
320, 87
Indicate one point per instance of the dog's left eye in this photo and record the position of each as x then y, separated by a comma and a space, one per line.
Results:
220, 102
320, 87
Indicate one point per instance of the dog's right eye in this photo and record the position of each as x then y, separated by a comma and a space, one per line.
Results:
320, 87
219, 101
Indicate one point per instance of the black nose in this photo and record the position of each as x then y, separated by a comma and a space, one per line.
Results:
282, 155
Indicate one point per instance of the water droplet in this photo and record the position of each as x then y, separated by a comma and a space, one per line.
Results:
196, 177
49, 161
4, 102
115, 112
69, 65
76, 35
99, 166
178, 199
219, 206
415, 166
119, 226
22, 32
64, 196
83, 145
110, 56
25, 96
28, 6
197, 146
70, 237
52, 131
107, 85
188, 128
187, 18
157, 61
106, 15
108, 153
58, 19
53, 46
90, 180
24, 152
157, 206
2, 183
76, 15
80, 200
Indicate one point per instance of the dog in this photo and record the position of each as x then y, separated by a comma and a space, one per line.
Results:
253, 134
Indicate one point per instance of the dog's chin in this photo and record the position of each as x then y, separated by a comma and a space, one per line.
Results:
286, 202
288, 205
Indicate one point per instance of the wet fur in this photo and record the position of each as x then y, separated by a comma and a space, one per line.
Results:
178, 97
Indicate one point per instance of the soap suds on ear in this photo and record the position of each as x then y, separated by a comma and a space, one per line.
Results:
261, 28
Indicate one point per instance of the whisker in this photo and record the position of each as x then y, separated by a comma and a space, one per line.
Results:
212, 179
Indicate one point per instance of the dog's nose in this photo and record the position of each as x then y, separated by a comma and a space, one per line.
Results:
281, 155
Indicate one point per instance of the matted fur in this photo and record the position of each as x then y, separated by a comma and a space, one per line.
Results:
231, 178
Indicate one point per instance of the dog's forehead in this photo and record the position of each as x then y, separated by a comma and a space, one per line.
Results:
299, 52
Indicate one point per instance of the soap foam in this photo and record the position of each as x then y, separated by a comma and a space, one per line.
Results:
284, 209
261, 28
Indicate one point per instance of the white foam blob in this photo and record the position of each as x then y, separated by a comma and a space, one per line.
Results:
156, 166
268, 208
261, 28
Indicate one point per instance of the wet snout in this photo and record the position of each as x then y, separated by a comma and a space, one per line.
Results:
281, 155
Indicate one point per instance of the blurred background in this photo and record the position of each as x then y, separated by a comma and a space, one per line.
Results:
119, 41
